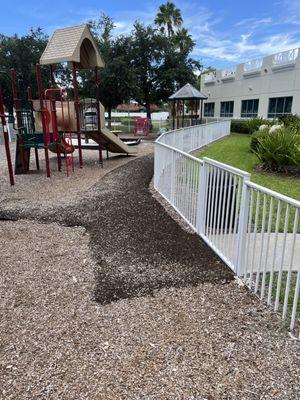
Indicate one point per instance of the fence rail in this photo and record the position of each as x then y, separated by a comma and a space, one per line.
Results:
254, 230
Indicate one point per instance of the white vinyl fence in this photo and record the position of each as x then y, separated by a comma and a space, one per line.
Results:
254, 230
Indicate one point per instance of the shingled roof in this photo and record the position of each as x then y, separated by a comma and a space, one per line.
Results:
73, 44
188, 92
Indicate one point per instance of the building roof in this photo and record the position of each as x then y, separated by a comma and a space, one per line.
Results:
188, 92
130, 107
73, 44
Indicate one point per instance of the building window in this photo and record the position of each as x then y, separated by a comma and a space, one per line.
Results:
209, 109
280, 106
226, 109
249, 108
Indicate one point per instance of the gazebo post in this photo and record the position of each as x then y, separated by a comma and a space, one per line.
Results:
174, 113
177, 114
201, 111
183, 113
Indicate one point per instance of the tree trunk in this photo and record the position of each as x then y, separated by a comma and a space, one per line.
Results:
148, 110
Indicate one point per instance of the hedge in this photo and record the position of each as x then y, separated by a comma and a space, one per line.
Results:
240, 126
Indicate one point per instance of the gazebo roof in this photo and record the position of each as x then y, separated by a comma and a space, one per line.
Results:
73, 44
188, 92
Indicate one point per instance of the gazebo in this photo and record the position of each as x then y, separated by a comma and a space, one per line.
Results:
195, 98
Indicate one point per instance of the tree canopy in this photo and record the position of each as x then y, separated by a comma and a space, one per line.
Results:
21, 53
147, 64
168, 17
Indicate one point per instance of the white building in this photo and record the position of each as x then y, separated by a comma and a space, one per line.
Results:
265, 87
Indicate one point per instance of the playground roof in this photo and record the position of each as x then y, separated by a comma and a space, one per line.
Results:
188, 92
73, 44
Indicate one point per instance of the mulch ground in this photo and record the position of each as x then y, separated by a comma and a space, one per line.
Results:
107, 297
138, 246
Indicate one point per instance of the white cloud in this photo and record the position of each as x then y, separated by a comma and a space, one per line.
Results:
246, 39
254, 22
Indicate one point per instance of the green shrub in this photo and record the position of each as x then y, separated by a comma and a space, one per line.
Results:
239, 126
247, 126
255, 138
291, 121
279, 150
255, 123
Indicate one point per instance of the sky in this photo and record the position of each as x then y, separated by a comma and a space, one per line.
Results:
226, 32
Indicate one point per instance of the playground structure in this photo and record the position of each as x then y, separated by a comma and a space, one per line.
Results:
141, 126
51, 121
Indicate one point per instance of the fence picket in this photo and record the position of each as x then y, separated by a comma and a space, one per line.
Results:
240, 220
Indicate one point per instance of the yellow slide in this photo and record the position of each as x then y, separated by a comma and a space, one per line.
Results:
108, 139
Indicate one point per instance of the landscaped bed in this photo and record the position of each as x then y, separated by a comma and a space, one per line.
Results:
235, 150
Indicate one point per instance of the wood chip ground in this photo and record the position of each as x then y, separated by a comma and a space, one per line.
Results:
105, 296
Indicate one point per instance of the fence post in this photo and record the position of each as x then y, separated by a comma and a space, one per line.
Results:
156, 160
242, 228
202, 198
172, 183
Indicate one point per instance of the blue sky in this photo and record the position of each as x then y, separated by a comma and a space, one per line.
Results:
226, 31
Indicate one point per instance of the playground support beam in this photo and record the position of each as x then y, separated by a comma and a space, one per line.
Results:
76, 104
41, 98
98, 112
30, 98
53, 116
6, 140
19, 146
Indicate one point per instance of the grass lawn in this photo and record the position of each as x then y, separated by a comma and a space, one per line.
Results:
234, 150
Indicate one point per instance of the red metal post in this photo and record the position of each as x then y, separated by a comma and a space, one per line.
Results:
41, 98
77, 111
30, 98
6, 140
20, 147
54, 116
98, 112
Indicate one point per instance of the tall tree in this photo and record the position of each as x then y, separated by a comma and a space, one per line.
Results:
116, 76
147, 56
168, 17
157, 67
21, 53
183, 41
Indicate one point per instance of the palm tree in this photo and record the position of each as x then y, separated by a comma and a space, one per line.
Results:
169, 16
184, 41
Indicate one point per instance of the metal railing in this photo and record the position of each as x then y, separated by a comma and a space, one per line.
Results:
210, 77
228, 73
254, 230
253, 65
285, 57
